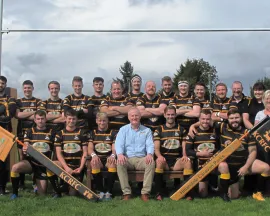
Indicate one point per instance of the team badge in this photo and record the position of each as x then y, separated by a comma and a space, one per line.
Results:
155, 134
102, 102
212, 137
32, 104
224, 107
122, 104
58, 107
47, 137
108, 138
206, 105
139, 103
76, 137
82, 103
189, 102
176, 134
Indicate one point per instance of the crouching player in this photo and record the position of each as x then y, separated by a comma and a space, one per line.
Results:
101, 148
169, 139
41, 138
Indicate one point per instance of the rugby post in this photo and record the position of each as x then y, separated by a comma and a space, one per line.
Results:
214, 161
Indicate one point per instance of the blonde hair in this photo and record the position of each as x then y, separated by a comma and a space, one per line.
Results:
266, 94
101, 115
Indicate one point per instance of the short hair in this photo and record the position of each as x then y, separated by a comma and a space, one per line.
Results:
149, 82
259, 86
77, 79
116, 82
233, 111
206, 112
134, 108
40, 113
199, 84
222, 84
70, 112
166, 78
266, 94
28, 82
4, 79
98, 79
237, 82
169, 107
102, 115
55, 83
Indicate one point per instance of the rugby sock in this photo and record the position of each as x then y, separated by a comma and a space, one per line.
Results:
22, 179
111, 179
159, 180
187, 173
98, 179
54, 181
224, 182
261, 182
15, 180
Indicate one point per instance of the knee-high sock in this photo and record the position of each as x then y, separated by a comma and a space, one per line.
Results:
54, 181
98, 179
261, 182
3, 175
22, 179
159, 180
224, 183
187, 173
15, 180
111, 179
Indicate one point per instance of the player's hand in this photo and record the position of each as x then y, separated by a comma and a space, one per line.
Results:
242, 171
95, 160
85, 110
161, 160
111, 160
184, 159
78, 170
206, 153
149, 159
121, 159
192, 131
25, 147
69, 170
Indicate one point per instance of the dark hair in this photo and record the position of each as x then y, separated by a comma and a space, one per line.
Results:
77, 79
55, 83
40, 113
70, 112
169, 107
233, 111
98, 79
200, 84
259, 86
166, 78
28, 82
4, 79
206, 112
221, 84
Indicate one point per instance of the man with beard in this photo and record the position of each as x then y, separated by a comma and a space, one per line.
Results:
26, 108
168, 140
7, 112
116, 106
79, 102
102, 150
97, 98
243, 161
53, 107
136, 82
151, 106
167, 93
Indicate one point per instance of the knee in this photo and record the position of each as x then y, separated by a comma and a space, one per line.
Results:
223, 167
15, 168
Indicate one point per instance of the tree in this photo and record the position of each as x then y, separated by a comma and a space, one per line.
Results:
196, 70
127, 72
265, 80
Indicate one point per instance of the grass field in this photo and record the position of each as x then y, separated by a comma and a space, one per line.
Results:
30, 204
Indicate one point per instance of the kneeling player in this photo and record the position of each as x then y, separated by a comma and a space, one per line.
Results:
41, 138
71, 148
101, 148
169, 139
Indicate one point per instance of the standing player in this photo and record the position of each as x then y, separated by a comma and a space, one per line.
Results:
136, 82
7, 112
102, 150
167, 93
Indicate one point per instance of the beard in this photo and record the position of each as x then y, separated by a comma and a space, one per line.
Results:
235, 125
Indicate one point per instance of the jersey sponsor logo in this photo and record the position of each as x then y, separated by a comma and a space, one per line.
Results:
206, 105
122, 104
171, 144
212, 136
58, 107
206, 146
71, 148
139, 103
224, 107
154, 119
82, 103
28, 110
155, 134
187, 138
189, 102
41, 147
76, 137
47, 137
32, 104
103, 147
176, 134
184, 107
108, 138
102, 102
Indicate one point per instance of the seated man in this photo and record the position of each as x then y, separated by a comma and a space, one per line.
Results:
71, 148
101, 148
41, 138
168, 139
135, 148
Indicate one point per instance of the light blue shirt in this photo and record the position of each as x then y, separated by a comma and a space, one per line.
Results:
134, 143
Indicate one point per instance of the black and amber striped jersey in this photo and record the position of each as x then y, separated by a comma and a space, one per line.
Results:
240, 105
71, 143
221, 105
155, 121
171, 140
41, 140
132, 98
116, 122
185, 103
26, 105
205, 104
78, 104
166, 98
227, 136
96, 102
103, 141
203, 139
9, 112
53, 107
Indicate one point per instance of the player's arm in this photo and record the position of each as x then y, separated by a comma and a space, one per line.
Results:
109, 112
121, 110
61, 159
60, 119
195, 112
180, 112
217, 116
190, 148
83, 160
246, 121
23, 115
252, 156
144, 113
157, 111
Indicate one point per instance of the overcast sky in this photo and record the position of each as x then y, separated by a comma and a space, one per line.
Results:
43, 57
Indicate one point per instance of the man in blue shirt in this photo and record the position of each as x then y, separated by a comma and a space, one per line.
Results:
135, 148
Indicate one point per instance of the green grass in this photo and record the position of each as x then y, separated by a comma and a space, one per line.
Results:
30, 204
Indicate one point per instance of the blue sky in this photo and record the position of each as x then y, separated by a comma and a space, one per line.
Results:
43, 57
